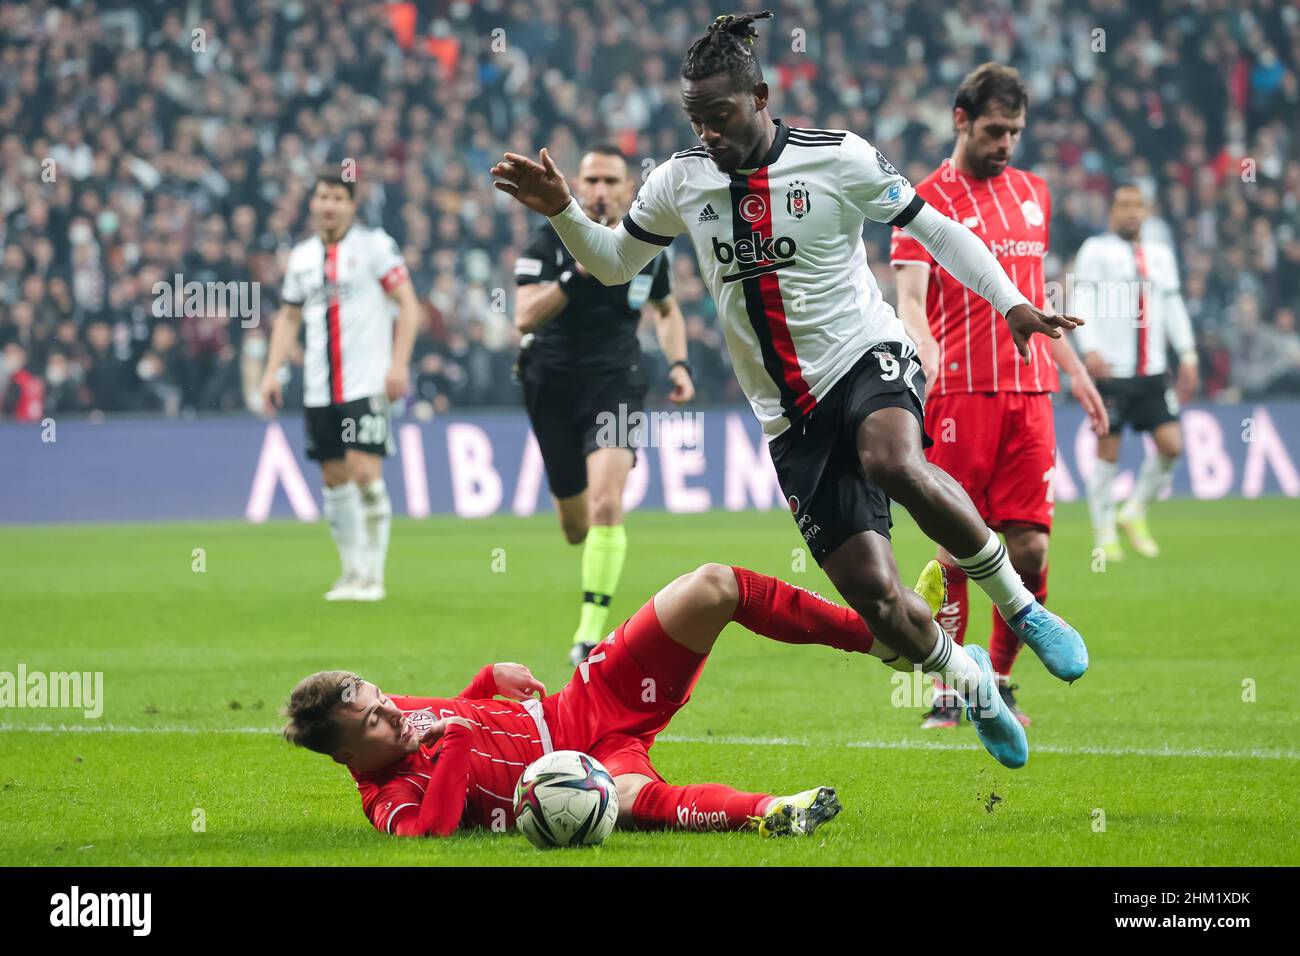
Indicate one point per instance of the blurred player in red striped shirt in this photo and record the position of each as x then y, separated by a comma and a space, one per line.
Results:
989, 412
426, 766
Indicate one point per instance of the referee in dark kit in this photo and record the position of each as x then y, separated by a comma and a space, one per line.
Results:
584, 378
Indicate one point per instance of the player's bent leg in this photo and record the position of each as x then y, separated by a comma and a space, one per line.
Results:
343, 515
889, 447
864, 572
785, 612
367, 472
694, 608
960, 668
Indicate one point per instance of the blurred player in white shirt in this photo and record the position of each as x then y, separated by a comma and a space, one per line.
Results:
1130, 293
347, 282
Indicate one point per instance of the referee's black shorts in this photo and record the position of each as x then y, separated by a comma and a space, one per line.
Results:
573, 414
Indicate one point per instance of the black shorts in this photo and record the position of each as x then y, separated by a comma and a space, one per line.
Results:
817, 460
364, 424
575, 414
1142, 403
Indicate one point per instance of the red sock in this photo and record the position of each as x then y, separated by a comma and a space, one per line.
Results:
1003, 644
955, 612
788, 613
701, 806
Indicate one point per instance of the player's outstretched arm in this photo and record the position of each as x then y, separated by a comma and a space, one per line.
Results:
959, 251
613, 256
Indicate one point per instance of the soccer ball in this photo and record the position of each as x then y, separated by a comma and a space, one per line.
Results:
565, 798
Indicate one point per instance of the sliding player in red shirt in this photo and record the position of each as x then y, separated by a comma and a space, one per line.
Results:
989, 412
427, 765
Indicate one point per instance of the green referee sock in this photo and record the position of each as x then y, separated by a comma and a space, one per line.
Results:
602, 563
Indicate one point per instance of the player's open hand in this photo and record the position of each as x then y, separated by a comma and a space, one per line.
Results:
538, 185
1025, 320
440, 728
516, 681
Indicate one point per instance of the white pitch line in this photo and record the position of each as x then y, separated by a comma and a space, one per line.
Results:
1165, 751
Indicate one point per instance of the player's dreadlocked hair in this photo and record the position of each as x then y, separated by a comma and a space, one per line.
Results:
727, 48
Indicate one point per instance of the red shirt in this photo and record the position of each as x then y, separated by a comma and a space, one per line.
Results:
1011, 213
489, 760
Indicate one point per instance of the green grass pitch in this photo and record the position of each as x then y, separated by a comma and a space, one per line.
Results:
1154, 758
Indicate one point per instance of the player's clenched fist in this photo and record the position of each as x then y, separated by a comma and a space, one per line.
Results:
540, 186
516, 681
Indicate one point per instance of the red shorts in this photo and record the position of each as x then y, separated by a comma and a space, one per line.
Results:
624, 694
1001, 447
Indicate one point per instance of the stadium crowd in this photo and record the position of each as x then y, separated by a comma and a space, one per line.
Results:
148, 145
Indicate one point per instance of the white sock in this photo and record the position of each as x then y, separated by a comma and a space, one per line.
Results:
991, 569
343, 512
1101, 503
377, 514
1153, 478
951, 664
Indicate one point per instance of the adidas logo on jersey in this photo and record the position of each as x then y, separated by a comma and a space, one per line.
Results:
707, 214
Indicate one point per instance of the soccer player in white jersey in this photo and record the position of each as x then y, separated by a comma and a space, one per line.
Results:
346, 283
776, 215
1131, 288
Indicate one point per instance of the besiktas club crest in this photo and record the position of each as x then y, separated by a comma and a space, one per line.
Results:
798, 202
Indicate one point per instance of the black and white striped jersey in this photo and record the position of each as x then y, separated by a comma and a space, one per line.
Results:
780, 248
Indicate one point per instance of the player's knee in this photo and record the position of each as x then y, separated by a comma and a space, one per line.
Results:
717, 585
873, 593
334, 473
575, 532
606, 510
893, 474
1029, 557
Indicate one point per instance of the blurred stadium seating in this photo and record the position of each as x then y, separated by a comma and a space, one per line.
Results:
145, 141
